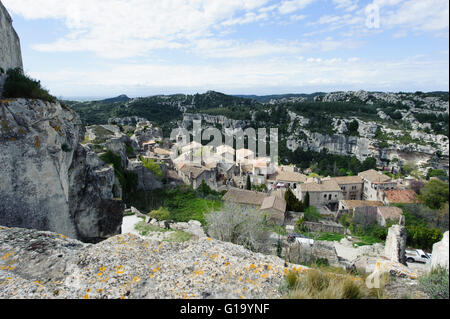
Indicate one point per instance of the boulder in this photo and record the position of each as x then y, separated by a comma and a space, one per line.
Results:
49, 180
395, 248
439, 256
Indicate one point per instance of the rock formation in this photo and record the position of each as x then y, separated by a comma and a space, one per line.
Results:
10, 54
439, 256
46, 265
395, 248
49, 181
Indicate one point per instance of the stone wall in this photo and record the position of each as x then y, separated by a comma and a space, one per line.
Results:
439, 256
320, 227
395, 248
10, 53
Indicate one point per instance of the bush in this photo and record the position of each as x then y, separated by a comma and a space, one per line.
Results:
434, 194
160, 214
316, 284
312, 214
436, 283
234, 225
152, 166
19, 85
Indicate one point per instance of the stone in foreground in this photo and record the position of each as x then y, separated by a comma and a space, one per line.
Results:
43, 265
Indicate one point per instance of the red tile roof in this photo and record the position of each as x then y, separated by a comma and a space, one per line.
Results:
401, 196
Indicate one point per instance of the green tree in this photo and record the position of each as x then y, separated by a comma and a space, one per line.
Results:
352, 128
434, 194
306, 201
369, 163
293, 204
248, 185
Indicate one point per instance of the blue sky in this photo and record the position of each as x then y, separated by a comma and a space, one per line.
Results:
103, 48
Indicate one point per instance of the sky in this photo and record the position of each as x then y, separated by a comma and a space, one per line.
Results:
104, 48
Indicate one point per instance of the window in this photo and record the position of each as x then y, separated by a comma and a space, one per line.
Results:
353, 187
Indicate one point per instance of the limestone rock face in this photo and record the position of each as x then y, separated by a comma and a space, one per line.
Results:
147, 181
395, 248
131, 267
48, 180
10, 53
439, 256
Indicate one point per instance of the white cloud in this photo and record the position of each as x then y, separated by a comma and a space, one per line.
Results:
212, 48
347, 5
126, 28
430, 15
293, 5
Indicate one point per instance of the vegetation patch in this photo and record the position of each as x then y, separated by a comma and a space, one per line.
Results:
19, 85
436, 283
316, 284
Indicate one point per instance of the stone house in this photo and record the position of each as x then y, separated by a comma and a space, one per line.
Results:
193, 175
276, 209
352, 187
325, 193
384, 214
375, 183
290, 179
350, 205
257, 202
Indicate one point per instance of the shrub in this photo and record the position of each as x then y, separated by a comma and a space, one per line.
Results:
312, 214
19, 85
234, 225
152, 166
436, 283
316, 284
434, 194
160, 214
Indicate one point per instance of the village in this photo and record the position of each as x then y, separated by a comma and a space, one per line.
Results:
259, 184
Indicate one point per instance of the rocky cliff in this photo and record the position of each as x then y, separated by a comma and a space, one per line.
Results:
48, 180
10, 54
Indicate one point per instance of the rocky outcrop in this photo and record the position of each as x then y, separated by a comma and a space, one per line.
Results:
49, 181
147, 180
439, 256
395, 248
10, 53
46, 265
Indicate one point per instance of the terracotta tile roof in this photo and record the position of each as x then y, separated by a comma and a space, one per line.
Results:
161, 151
374, 176
294, 177
401, 196
352, 204
390, 212
274, 202
241, 196
347, 180
325, 186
